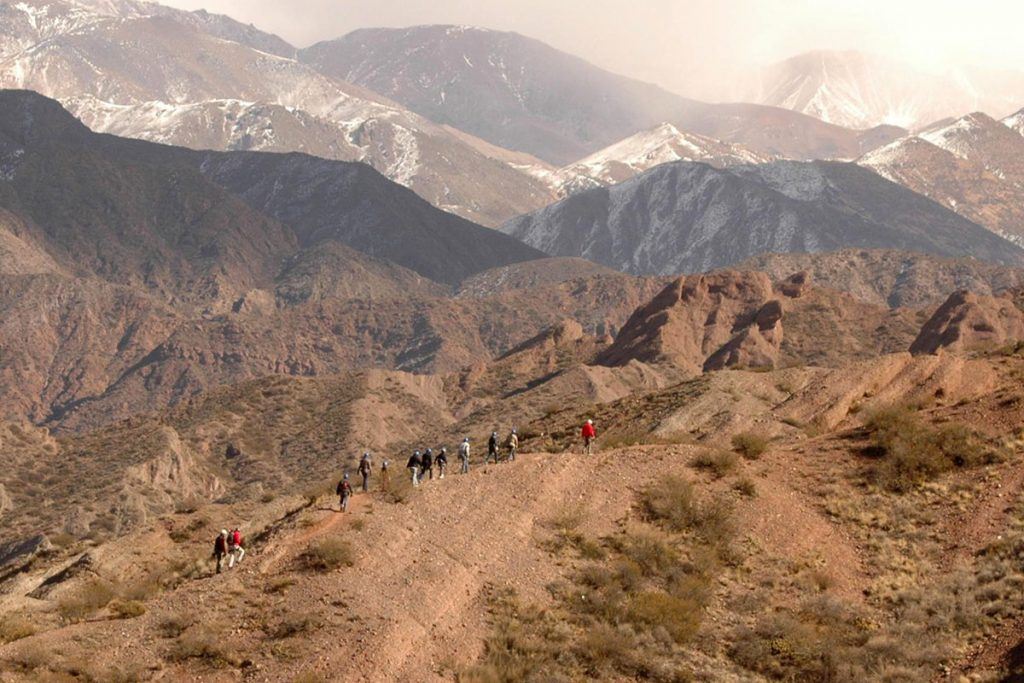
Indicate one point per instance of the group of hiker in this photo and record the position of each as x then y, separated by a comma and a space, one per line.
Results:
424, 463
229, 544
422, 466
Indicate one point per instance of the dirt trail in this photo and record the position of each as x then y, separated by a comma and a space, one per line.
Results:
284, 545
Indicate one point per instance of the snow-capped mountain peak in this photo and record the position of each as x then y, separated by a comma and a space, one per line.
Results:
662, 144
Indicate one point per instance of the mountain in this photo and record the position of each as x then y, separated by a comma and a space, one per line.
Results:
92, 197
521, 94
689, 217
647, 149
185, 79
973, 165
859, 90
1016, 122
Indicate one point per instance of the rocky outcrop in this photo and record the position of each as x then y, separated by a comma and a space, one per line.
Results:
971, 322
700, 322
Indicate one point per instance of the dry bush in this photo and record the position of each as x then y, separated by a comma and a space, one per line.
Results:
328, 554
607, 648
292, 625
127, 609
679, 616
910, 452
750, 445
746, 487
86, 600
201, 641
15, 627
279, 584
718, 463
173, 625
670, 501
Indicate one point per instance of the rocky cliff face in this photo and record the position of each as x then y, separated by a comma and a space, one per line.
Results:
972, 322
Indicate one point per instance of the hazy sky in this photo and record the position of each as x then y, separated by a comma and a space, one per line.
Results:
683, 45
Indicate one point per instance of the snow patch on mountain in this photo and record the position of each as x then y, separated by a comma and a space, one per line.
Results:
662, 144
1015, 122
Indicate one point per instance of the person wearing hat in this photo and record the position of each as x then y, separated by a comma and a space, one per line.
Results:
512, 443
589, 434
344, 490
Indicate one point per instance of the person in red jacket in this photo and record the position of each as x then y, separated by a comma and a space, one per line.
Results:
588, 434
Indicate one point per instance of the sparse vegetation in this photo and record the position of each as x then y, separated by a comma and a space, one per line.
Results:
201, 641
15, 626
86, 600
127, 609
718, 463
329, 554
750, 445
909, 451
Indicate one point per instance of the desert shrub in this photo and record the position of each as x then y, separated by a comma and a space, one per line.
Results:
679, 616
127, 609
86, 600
750, 445
605, 647
909, 451
173, 625
623, 439
649, 548
292, 625
671, 502
745, 486
718, 463
201, 641
279, 584
329, 554
15, 627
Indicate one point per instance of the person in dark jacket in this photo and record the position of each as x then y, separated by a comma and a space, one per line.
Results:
428, 464
492, 448
414, 466
220, 548
365, 468
441, 461
344, 491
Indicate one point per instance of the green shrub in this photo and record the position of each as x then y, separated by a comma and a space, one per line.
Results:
751, 446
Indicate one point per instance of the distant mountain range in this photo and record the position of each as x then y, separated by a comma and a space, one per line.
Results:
859, 90
521, 94
973, 165
690, 217
204, 81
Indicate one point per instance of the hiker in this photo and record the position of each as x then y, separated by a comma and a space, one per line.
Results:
220, 548
441, 461
414, 465
428, 464
385, 475
365, 468
512, 444
589, 434
492, 448
344, 491
236, 551
464, 455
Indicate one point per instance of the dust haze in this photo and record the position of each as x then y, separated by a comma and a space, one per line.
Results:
696, 47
